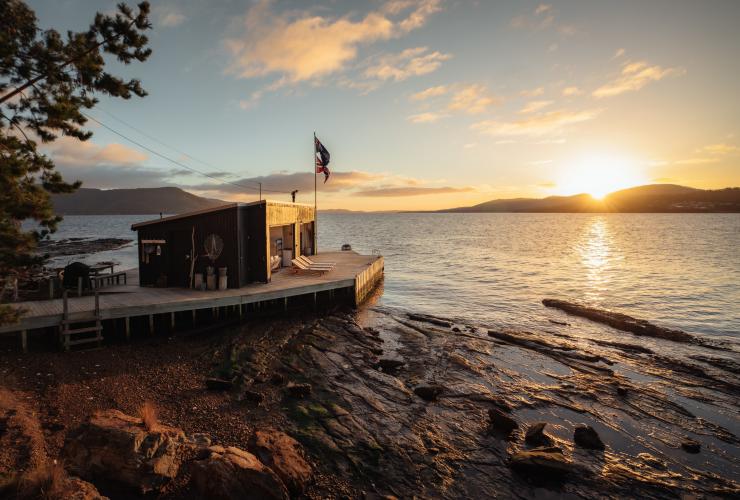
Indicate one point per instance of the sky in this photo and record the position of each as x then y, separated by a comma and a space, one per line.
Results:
423, 104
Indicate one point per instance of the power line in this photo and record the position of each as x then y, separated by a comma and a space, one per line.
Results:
165, 157
151, 137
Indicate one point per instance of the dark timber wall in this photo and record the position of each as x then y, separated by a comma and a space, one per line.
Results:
244, 229
174, 262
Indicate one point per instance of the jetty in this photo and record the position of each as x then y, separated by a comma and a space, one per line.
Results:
351, 280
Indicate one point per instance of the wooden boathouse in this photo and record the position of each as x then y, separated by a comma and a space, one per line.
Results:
256, 238
259, 240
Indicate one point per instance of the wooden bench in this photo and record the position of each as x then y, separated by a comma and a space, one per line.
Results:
97, 281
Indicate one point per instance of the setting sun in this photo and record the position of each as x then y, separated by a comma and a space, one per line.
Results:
599, 175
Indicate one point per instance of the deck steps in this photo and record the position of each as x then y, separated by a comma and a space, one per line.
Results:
73, 332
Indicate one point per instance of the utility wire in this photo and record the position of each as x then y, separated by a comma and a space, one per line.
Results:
165, 157
151, 137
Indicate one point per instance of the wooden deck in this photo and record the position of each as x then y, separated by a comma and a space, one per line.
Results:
353, 271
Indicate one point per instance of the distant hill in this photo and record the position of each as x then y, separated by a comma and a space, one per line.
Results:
650, 198
168, 200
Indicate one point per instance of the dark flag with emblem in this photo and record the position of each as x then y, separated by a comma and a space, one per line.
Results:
322, 159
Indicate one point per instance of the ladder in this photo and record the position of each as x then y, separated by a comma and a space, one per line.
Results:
71, 331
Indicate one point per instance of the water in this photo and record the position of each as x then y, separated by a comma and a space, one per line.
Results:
677, 270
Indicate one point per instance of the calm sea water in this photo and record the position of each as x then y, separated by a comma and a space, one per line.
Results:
678, 270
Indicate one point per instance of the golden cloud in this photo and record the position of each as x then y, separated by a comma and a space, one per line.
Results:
472, 99
408, 63
544, 124
534, 106
412, 191
430, 92
634, 76
305, 47
426, 117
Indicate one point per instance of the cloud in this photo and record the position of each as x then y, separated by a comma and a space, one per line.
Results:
411, 191
619, 53
532, 92
408, 63
352, 183
169, 16
540, 162
548, 123
571, 91
301, 46
720, 149
417, 18
430, 92
696, 161
472, 99
70, 151
634, 76
428, 117
534, 106
543, 17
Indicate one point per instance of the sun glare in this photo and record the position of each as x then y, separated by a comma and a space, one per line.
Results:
599, 175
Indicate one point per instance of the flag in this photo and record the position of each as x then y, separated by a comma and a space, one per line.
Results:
322, 160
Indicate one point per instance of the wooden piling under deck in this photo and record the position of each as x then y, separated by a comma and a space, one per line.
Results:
355, 274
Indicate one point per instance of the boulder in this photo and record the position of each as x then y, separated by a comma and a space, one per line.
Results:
428, 392
116, 448
298, 390
388, 365
535, 435
586, 437
231, 473
219, 384
542, 463
284, 455
500, 422
691, 446
76, 489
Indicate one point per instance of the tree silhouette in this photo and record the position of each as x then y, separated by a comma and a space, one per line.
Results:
46, 80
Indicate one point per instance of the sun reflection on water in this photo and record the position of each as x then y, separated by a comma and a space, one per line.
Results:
598, 254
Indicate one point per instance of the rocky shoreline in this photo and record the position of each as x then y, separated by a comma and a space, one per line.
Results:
80, 246
379, 403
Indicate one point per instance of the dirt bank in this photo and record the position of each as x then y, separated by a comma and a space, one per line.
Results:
389, 403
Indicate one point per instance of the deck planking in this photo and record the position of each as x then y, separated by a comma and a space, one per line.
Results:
122, 301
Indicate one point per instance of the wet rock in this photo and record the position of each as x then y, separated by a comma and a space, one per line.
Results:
428, 392
652, 461
117, 448
549, 463
691, 446
277, 378
535, 435
219, 384
501, 423
388, 365
284, 455
254, 396
231, 473
423, 318
621, 321
298, 390
75, 488
200, 439
586, 437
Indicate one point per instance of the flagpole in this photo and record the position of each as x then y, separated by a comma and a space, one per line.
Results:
315, 204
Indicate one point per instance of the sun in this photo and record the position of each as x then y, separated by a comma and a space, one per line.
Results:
599, 175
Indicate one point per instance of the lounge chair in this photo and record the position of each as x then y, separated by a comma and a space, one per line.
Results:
311, 263
299, 266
